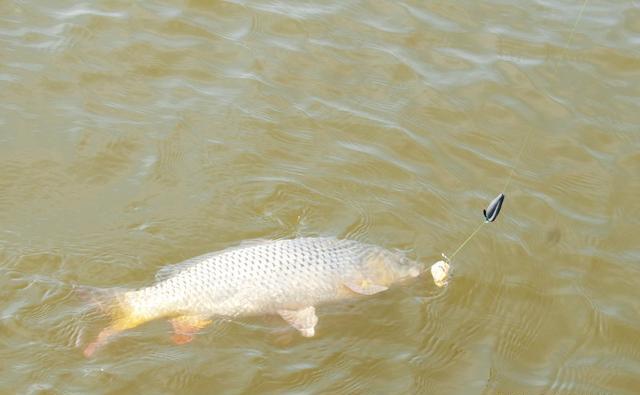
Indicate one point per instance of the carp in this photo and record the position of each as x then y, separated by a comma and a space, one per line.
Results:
286, 277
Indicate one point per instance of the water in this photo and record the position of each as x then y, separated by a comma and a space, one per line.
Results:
133, 136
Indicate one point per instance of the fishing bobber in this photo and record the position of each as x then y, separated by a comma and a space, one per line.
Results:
440, 273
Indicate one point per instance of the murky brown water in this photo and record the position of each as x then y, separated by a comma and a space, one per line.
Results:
135, 136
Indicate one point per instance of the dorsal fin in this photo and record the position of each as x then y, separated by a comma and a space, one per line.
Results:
251, 243
175, 268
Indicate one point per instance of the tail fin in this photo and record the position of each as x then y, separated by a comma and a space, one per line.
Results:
110, 302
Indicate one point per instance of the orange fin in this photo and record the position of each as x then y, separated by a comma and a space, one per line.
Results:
304, 320
118, 326
185, 326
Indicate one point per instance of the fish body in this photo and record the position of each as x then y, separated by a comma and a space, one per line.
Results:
286, 277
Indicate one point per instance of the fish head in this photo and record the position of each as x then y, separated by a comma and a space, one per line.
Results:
386, 268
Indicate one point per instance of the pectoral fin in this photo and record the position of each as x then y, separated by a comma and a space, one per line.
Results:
303, 320
365, 287
185, 326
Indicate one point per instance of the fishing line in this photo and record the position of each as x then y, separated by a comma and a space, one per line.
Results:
497, 200
464, 242
573, 29
516, 161
440, 269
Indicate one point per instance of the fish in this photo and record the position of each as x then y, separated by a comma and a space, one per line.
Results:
287, 277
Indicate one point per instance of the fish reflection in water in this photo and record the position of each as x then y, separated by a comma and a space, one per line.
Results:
284, 277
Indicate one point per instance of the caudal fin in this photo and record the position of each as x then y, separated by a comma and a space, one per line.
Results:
111, 303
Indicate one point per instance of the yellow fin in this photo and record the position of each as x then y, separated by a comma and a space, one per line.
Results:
365, 287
